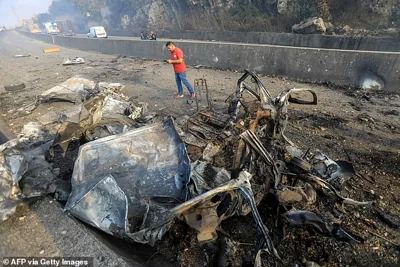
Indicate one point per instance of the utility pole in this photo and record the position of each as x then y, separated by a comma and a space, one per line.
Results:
16, 16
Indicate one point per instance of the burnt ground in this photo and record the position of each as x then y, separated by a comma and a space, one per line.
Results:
366, 124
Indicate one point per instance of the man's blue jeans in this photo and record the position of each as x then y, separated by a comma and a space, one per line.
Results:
181, 78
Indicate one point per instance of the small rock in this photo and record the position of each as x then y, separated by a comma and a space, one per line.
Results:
310, 26
22, 218
289, 197
389, 219
309, 194
63, 232
393, 112
346, 29
41, 252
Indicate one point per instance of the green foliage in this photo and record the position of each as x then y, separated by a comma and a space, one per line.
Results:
91, 7
119, 8
42, 18
61, 8
244, 12
396, 18
305, 9
247, 16
123, 7
57, 9
324, 9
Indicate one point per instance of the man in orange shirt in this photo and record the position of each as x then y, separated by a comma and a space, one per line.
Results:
180, 70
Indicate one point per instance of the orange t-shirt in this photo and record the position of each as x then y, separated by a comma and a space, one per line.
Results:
177, 54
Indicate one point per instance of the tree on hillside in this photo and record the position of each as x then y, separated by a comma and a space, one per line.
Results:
62, 8
41, 18
91, 7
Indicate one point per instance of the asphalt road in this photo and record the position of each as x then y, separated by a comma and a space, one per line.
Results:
9, 46
12, 44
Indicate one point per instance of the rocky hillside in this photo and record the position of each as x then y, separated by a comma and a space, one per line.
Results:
363, 16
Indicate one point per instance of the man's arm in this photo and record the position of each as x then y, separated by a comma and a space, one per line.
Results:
176, 61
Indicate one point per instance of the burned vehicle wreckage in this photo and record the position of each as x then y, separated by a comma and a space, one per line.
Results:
138, 179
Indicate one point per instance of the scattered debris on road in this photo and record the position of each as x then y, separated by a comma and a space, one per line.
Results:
51, 50
74, 61
14, 87
17, 56
77, 90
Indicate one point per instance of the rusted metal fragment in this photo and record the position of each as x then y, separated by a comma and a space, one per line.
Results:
302, 217
76, 90
261, 114
102, 110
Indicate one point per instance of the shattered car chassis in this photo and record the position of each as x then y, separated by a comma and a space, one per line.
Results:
135, 182
258, 129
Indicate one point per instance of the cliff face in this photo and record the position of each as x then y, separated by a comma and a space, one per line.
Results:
386, 8
248, 15
170, 14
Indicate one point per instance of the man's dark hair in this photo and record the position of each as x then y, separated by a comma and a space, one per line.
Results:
169, 43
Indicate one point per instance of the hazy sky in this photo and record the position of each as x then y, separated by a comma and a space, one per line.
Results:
25, 9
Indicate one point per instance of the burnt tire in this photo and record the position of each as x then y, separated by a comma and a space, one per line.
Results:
300, 165
14, 87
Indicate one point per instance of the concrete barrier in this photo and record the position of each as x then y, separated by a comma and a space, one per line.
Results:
341, 67
368, 43
38, 36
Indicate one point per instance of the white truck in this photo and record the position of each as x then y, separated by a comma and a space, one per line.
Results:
50, 28
97, 32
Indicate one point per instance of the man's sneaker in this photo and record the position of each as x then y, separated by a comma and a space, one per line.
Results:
178, 96
192, 96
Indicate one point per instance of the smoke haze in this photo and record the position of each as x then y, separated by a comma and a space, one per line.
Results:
25, 9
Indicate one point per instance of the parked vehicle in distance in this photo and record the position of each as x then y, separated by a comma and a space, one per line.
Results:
97, 32
30, 26
65, 27
51, 28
